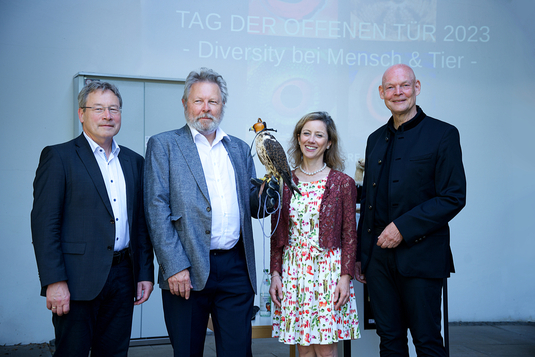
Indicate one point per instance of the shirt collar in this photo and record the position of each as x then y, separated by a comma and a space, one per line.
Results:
420, 115
198, 137
115, 149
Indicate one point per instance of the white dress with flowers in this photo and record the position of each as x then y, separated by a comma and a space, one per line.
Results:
309, 277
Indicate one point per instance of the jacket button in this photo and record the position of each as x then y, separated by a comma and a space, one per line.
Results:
110, 247
208, 209
207, 231
369, 230
112, 221
380, 162
370, 207
374, 184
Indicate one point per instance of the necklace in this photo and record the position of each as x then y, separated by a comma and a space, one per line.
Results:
312, 173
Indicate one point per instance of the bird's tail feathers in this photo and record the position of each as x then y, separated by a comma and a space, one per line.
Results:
294, 188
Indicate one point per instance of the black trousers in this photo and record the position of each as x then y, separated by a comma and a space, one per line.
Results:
400, 303
102, 325
227, 296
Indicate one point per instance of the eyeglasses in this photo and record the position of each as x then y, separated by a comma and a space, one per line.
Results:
100, 110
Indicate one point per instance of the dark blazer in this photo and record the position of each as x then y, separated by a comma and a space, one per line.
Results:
73, 223
178, 208
426, 189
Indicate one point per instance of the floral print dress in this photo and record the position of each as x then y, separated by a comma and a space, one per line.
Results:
309, 277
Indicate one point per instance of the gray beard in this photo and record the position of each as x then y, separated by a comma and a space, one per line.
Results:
204, 129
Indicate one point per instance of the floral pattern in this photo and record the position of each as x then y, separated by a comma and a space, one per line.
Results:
309, 277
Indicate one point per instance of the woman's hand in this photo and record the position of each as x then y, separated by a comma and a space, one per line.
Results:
275, 289
341, 293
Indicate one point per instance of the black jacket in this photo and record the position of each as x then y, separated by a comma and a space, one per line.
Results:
426, 189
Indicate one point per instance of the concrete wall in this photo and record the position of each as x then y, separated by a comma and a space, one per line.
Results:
483, 86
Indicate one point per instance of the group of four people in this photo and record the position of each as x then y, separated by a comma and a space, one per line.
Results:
96, 204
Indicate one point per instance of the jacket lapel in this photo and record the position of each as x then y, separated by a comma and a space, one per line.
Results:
88, 159
189, 152
128, 174
237, 162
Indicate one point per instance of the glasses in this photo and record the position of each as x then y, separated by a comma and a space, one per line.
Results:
100, 110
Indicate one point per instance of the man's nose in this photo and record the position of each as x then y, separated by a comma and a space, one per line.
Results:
107, 113
205, 107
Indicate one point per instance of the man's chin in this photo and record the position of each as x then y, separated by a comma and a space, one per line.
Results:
206, 129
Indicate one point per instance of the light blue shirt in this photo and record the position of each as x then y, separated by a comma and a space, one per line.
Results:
113, 176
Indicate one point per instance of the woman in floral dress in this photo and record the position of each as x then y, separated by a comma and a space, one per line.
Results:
314, 245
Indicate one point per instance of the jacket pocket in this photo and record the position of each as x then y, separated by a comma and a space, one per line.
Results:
73, 248
421, 157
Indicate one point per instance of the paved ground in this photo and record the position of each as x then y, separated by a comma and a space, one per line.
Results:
493, 339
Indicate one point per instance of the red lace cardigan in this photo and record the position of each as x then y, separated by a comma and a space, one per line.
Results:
337, 221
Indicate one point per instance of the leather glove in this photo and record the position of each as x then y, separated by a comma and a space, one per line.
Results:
271, 192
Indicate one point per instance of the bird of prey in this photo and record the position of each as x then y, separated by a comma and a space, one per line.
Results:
273, 157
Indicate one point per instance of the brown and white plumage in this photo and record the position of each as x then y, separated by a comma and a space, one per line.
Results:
359, 172
272, 156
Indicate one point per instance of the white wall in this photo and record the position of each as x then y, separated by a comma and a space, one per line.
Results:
44, 43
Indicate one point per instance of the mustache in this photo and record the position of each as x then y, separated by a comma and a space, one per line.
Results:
205, 116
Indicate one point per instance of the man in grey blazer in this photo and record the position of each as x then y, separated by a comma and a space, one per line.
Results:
198, 206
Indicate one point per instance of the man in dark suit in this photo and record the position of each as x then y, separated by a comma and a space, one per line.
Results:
414, 184
93, 251
199, 201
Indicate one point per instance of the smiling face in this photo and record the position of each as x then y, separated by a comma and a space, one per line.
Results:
104, 126
399, 90
314, 140
204, 107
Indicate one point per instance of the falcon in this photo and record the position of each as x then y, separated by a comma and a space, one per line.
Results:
273, 157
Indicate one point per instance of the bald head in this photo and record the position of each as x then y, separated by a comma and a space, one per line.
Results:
399, 67
399, 90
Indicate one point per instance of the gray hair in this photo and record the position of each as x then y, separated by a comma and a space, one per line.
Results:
94, 86
205, 75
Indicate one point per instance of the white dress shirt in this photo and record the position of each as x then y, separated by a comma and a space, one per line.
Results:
221, 182
113, 176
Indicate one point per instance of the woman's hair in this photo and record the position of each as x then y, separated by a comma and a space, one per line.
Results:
332, 156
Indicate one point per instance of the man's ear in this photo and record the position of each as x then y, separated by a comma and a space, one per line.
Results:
381, 92
81, 115
417, 87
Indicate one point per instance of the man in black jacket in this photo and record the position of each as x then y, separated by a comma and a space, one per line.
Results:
91, 243
414, 185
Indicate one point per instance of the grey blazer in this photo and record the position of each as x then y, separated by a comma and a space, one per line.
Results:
178, 209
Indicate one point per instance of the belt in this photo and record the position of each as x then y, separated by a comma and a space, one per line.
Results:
224, 251
119, 256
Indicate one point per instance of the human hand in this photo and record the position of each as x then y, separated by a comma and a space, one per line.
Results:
390, 237
359, 275
144, 289
58, 298
341, 293
180, 284
275, 289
